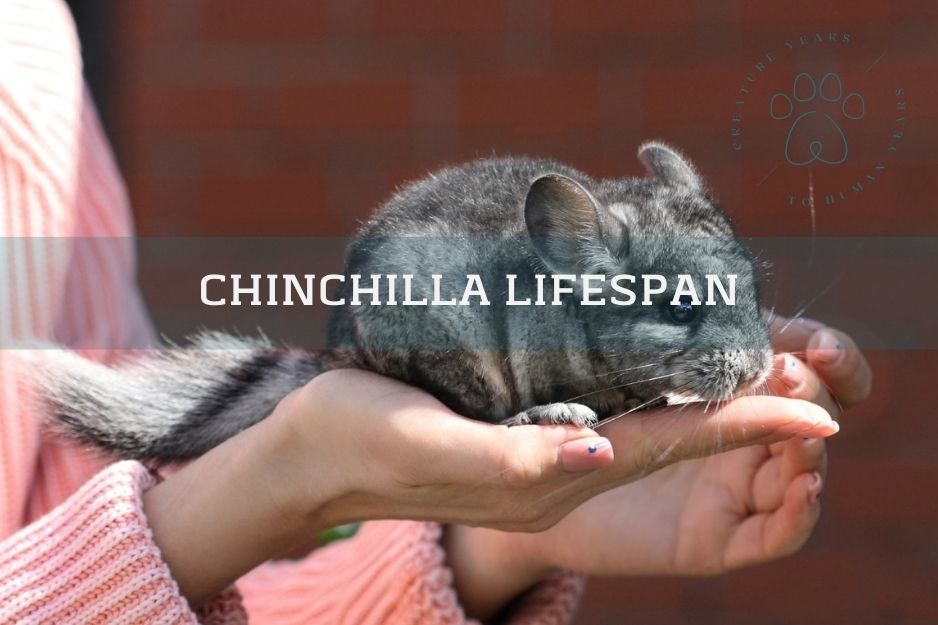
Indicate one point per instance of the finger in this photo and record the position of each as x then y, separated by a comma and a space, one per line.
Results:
658, 437
790, 377
771, 535
517, 457
792, 335
585, 454
804, 455
415, 440
839, 362
772, 479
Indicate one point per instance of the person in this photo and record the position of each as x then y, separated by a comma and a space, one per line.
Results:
498, 520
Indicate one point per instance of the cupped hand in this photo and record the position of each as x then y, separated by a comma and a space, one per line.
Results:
710, 514
392, 451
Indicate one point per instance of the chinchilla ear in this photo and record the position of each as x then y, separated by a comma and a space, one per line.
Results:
569, 230
668, 165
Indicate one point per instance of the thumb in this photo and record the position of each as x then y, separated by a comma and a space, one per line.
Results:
655, 438
527, 455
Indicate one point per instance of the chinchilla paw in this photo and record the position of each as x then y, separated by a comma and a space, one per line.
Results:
555, 414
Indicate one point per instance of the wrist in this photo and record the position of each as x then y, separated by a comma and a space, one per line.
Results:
491, 567
315, 458
301, 459
242, 503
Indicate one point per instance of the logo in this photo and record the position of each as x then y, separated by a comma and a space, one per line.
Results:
816, 136
807, 111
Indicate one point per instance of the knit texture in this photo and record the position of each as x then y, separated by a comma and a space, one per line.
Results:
93, 560
74, 542
399, 576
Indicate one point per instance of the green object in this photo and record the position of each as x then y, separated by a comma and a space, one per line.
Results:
340, 532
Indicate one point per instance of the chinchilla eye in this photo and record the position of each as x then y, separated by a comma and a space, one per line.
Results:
682, 312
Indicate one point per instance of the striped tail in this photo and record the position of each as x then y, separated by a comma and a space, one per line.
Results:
173, 404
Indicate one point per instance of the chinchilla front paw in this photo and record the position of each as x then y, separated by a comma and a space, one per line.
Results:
555, 414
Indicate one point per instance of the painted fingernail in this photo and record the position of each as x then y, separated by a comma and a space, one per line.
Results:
815, 486
827, 350
585, 454
786, 367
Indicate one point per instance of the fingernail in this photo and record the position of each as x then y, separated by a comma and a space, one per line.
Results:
585, 454
822, 430
815, 486
786, 366
827, 350
797, 427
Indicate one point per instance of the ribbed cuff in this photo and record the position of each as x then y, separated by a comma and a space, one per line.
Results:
93, 560
552, 602
390, 573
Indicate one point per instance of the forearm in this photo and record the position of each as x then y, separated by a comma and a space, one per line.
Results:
234, 508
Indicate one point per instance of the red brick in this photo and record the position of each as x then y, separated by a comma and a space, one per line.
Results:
430, 17
245, 20
592, 15
190, 108
808, 12
537, 104
822, 587
883, 491
921, 11
141, 23
350, 107
259, 204
688, 94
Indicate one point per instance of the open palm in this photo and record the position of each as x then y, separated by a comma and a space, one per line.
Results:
697, 516
716, 513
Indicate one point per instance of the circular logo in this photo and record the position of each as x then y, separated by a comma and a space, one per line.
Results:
809, 108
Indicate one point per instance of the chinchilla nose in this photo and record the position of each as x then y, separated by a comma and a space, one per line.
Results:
757, 364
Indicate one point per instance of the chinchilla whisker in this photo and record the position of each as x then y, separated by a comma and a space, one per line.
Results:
830, 391
631, 410
813, 300
758, 390
667, 452
610, 373
770, 315
622, 372
571, 485
612, 388
661, 457
813, 216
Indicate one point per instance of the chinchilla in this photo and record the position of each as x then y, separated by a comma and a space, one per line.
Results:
503, 364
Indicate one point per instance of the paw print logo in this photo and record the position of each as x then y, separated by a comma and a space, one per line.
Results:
815, 134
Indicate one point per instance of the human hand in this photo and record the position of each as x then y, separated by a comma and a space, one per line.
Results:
352, 446
412, 458
701, 516
396, 452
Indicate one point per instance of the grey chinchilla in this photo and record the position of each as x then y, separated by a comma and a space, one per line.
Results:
502, 364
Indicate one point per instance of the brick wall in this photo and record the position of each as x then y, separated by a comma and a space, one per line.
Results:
240, 117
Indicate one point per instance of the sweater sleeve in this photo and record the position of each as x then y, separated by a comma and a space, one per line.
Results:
92, 559
389, 573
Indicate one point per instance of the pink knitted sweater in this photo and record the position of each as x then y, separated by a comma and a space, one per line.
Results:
75, 543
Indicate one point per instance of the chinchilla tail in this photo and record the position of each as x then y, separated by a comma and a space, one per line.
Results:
172, 404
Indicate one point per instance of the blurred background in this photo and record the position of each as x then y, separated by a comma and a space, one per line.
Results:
299, 117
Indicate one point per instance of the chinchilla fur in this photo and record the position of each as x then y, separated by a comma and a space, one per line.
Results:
498, 363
